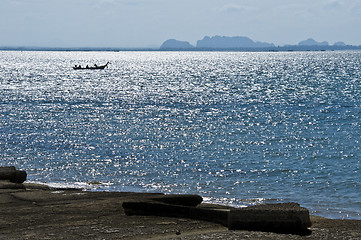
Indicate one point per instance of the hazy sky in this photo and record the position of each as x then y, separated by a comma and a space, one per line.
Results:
145, 23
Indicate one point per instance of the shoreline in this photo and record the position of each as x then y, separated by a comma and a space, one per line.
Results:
36, 211
98, 187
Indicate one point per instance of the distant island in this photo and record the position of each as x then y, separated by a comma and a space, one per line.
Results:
239, 43
216, 42
175, 44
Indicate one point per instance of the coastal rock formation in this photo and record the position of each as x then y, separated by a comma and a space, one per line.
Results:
44, 212
284, 218
12, 175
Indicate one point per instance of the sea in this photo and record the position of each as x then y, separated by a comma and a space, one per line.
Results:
237, 128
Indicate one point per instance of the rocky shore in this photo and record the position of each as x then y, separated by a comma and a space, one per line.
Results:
33, 211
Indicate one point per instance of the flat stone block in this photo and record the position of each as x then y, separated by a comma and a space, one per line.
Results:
151, 208
283, 217
13, 175
4, 184
210, 215
179, 199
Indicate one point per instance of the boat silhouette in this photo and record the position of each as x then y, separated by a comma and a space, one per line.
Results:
79, 67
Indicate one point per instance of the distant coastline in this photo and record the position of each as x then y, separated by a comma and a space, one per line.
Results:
273, 49
270, 49
216, 43
240, 43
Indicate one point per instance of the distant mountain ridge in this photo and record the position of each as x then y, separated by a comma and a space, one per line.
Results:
216, 42
241, 42
312, 42
230, 42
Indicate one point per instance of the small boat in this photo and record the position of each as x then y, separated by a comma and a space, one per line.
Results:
79, 67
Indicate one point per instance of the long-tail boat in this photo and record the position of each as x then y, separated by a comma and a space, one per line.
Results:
79, 67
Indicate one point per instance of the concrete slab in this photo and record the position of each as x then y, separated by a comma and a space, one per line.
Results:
283, 217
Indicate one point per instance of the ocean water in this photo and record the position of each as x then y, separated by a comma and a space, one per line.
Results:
237, 128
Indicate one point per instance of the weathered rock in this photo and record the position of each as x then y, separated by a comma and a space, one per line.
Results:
13, 175
152, 208
179, 199
283, 217
5, 184
99, 215
210, 215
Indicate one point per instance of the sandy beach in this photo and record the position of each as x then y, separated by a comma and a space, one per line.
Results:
33, 211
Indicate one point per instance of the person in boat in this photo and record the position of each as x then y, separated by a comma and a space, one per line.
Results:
87, 66
95, 65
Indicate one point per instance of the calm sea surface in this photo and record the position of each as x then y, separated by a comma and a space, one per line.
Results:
236, 128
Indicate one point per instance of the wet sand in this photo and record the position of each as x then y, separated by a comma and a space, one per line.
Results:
40, 212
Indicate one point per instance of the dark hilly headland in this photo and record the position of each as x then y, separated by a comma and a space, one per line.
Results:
240, 43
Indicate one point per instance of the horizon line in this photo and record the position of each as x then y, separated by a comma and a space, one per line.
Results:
195, 49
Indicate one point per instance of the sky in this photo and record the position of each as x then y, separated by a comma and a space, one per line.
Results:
148, 23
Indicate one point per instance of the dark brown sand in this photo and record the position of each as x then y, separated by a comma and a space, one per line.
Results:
38, 212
